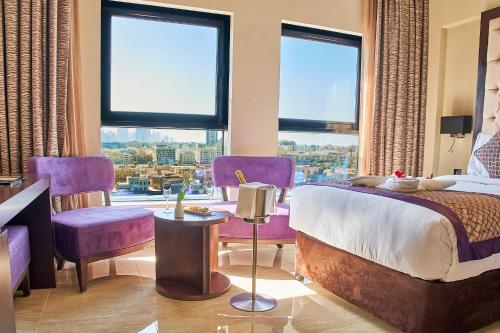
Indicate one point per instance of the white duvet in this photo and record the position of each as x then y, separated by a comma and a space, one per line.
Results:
405, 237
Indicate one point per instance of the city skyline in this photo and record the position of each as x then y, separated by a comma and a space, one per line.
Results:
143, 169
200, 136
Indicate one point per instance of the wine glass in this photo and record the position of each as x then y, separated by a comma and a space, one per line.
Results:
167, 192
210, 189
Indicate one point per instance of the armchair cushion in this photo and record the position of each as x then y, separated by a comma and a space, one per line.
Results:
89, 231
19, 252
277, 228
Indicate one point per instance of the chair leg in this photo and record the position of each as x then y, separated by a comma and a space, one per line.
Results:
280, 246
60, 263
81, 273
25, 285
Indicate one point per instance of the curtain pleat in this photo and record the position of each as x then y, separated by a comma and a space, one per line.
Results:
25, 82
4, 141
400, 88
74, 143
11, 40
38, 81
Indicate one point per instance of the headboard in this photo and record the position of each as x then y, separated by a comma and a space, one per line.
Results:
487, 118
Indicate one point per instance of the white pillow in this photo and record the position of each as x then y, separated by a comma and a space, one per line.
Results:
434, 184
475, 167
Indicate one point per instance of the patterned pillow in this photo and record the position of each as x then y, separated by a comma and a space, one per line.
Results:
489, 155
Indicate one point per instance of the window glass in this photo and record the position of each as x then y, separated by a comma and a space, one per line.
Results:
318, 80
163, 67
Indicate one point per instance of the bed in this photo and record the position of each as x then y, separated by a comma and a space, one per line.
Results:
410, 263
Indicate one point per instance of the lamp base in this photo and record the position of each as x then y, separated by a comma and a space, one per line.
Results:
244, 302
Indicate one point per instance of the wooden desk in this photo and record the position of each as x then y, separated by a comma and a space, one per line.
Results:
187, 256
29, 205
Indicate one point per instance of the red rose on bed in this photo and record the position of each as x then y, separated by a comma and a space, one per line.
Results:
399, 174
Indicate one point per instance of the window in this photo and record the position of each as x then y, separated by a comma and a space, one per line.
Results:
319, 83
164, 101
319, 102
148, 159
164, 67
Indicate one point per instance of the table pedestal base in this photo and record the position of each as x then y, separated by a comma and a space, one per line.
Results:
219, 285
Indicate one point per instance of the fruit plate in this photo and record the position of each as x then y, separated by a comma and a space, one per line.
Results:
198, 212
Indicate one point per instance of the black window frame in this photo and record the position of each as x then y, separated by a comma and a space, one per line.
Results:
219, 121
307, 125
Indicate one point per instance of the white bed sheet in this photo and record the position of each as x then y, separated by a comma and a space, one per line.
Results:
405, 237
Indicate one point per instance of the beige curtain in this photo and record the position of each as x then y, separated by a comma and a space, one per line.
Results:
40, 112
401, 86
74, 136
367, 85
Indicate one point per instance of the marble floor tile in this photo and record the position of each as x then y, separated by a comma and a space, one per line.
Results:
121, 298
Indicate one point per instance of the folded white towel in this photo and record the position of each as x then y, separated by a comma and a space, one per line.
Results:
247, 197
405, 185
368, 181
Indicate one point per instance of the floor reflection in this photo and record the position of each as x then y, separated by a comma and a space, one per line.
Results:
121, 298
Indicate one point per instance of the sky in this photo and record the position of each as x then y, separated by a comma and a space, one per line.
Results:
156, 67
317, 80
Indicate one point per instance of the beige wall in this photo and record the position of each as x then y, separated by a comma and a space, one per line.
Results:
255, 32
453, 52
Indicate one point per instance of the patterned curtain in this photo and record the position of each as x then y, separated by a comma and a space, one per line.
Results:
40, 112
401, 86
34, 49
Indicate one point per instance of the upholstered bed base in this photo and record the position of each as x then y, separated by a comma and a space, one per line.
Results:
410, 304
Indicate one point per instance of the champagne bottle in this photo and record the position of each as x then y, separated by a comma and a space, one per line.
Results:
241, 176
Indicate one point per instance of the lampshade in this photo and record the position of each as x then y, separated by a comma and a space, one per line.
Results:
456, 125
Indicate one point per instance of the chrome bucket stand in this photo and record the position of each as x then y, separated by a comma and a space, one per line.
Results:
252, 302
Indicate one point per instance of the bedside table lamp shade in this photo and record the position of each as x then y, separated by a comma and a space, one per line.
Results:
456, 125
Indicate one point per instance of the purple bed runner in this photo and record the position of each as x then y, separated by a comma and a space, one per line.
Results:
474, 216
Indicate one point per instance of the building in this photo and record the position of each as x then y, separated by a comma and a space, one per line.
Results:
185, 157
206, 155
138, 183
211, 138
122, 134
142, 134
164, 154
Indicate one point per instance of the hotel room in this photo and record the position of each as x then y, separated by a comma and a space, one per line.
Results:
249, 166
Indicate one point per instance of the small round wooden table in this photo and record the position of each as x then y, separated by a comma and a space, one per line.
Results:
187, 256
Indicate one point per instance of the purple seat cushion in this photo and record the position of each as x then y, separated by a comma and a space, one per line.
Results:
277, 228
89, 231
19, 252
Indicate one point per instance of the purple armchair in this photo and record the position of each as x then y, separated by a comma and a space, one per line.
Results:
86, 235
278, 171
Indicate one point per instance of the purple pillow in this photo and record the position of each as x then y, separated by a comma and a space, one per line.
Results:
489, 155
